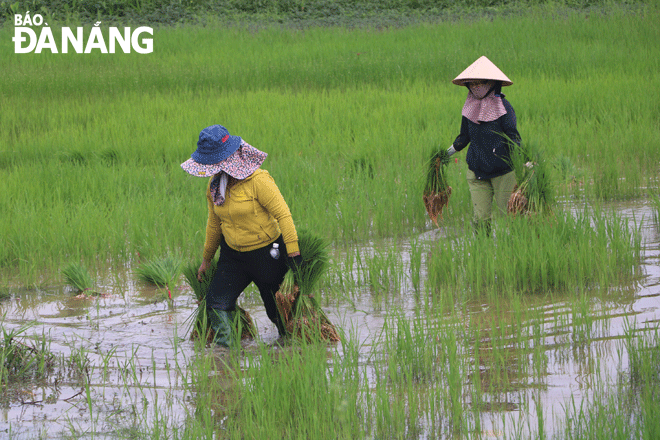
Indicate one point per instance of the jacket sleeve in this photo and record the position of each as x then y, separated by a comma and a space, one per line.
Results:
269, 196
213, 230
463, 139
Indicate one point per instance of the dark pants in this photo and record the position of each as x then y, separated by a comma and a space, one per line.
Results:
236, 270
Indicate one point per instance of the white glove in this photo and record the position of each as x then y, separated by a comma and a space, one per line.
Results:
451, 150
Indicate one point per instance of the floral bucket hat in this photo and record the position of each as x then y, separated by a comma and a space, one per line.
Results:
219, 151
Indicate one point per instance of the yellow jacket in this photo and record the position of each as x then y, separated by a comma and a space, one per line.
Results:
253, 216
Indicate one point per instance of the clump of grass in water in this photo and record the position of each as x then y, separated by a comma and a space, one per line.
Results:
436, 190
20, 361
302, 315
533, 192
602, 247
162, 273
627, 409
655, 203
199, 319
79, 278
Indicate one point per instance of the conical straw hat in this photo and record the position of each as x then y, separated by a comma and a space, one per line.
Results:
483, 68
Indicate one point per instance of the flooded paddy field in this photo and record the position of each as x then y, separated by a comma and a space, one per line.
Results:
548, 329
410, 364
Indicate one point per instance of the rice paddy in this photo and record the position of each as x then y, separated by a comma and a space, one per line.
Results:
546, 329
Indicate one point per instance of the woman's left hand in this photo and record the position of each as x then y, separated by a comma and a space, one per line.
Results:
294, 260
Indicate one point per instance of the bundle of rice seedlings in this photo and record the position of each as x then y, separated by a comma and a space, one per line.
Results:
533, 191
436, 190
162, 273
79, 278
199, 319
301, 314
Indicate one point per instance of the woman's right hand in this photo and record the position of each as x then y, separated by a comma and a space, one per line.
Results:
202, 269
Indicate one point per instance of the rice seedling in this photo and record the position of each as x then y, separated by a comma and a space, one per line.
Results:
314, 108
530, 256
567, 170
289, 393
534, 189
655, 203
162, 273
199, 322
79, 278
436, 190
415, 263
627, 409
383, 271
23, 362
124, 184
300, 311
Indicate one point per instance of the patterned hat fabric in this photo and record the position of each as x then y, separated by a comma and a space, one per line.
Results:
240, 164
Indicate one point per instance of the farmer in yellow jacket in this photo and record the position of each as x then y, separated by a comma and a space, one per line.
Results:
248, 220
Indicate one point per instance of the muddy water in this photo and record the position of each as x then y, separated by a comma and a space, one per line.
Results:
132, 347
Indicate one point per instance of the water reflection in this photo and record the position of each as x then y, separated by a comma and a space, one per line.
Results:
132, 347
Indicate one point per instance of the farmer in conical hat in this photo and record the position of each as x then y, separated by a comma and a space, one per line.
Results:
247, 218
488, 119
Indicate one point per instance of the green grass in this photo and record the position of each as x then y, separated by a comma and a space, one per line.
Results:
294, 13
533, 177
631, 410
109, 133
531, 255
348, 117
22, 360
655, 205
161, 272
78, 277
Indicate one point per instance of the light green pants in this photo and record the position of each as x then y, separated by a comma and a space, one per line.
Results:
486, 191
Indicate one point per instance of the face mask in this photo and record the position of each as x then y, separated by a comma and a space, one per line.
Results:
481, 90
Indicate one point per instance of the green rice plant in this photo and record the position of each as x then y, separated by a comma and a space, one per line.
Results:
531, 256
415, 262
384, 270
198, 321
78, 277
335, 106
534, 190
582, 320
315, 261
361, 167
436, 177
629, 408
436, 188
655, 207
300, 311
410, 357
567, 169
20, 361
289, 393
643, 349
162, 273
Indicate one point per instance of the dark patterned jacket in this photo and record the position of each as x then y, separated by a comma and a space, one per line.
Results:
489, 153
